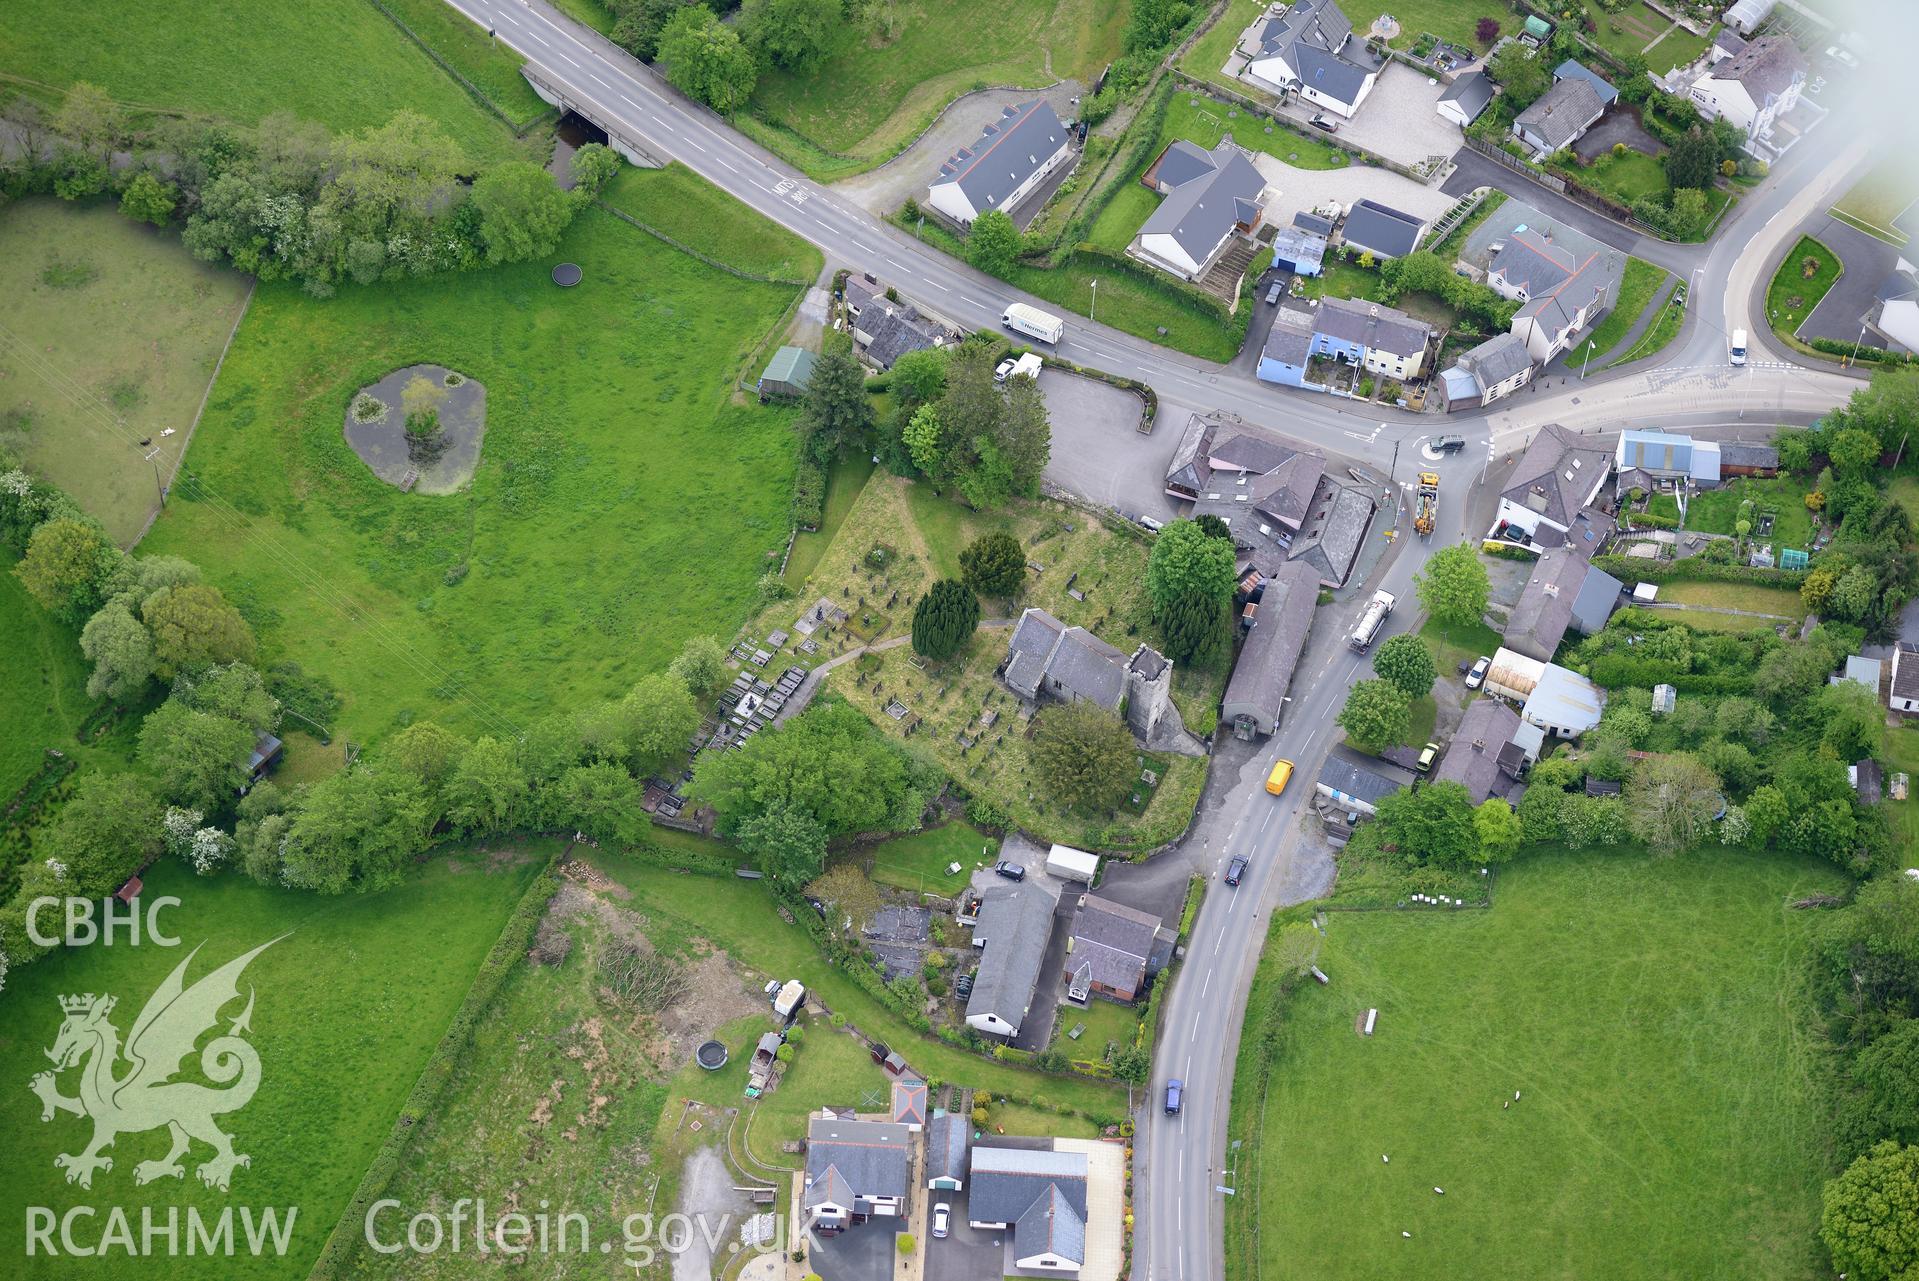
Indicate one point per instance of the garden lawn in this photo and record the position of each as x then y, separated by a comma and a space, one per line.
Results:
1716, 511
918, 861
1902, 754
1625, 178
340, 62
1886, 191
1107, 1024
1206, 120
1207, 59
1658, 335
595, 537
739, 916
1652, 1015
1450, 20
349, 1004
1017, 1119
873, 93
1793, 294
110, 336
1641, 282
1754, 597
1455, 645
681, 204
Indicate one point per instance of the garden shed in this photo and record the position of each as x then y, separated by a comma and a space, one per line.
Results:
1070, 864
788, 373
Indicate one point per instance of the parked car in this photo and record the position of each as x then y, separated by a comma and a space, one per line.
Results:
942, 1215
1011, 871
1450, 444
1282, 774
1477, 676
1175, 1088
963, 986
1840, 55
1321, 120
1273, 291
1427, 755
1151, 524
1236, 869
1004, 371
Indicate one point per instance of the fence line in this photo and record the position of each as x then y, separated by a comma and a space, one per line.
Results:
474, 91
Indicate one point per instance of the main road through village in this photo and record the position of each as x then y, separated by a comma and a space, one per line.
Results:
1180, 1169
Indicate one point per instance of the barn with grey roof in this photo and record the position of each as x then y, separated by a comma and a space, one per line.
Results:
1015, 924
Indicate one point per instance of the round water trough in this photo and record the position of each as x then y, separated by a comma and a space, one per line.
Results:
567, 275
711, 1055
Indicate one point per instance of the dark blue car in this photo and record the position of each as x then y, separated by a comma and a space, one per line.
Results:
1174, 1089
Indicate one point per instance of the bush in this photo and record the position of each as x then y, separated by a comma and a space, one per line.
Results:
809, 494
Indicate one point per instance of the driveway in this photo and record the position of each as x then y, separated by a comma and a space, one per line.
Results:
886, 188
1867, 263
1099, 453
1398, 120
1474, 170
1619, 124
861, 1253
1294, 190
969, 1253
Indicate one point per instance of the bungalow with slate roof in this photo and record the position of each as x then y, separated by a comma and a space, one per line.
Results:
1112, 949
1039, 1194
1562, 591
1381, 231
1256, 694
1492, 371
1466, 97
1381, 339
1005, 165
884, 329
947, 1142
1358, 783
1477, 758
1046, 659
1310, 50
1560, 117
855, 1170
1211, 198
1903, 693
1015, 922
1752, 89
1557, 476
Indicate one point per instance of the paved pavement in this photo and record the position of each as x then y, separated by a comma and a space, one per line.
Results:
1099, 451
1619, 124
968, 1253
1293, 190
1868, 261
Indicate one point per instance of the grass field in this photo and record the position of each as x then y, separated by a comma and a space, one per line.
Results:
110, 337
1871, 204
739, 917
906, 75
918, 861
1749, 596
1651, 1014
43, 684
1716, 511
349, 1004
843, 485
492, 67
1636, 289
598, 533
1793, 294
340, 62
685, 206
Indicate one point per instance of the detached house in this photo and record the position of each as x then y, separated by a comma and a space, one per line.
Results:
1112, 950
1004, 165
1014, 926
1213, 198
1753, 88
1560, 117
1482, 756
1380, 230
886, 328
855, 1170
1046, 659
1557, 476
1310, 50
1563, 286
1903, 694
1037, 1194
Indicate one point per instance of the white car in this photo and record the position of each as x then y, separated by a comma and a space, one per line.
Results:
1840, 55
1004, 371
942, 1213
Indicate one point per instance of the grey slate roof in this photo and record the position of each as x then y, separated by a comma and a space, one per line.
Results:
1317, 41
894, 328
1474, 93
1766, 66
1531, 260
1044, 650
946, 1145
1595, 277
1345, 772
1181, 162
1114, 940
1206, 439
1905, 671
1051, 1226
1015, 922
1597, 599
1005, 1182
1384, 230
1472, 759
1373, 325
1290, 339
869, 1158
1271, 652
1335, 527
1204, 207
1734, 453
1573, 69
1312, 222
1562, 113
1010, 151
1496, 359
1539, 481
1545, 607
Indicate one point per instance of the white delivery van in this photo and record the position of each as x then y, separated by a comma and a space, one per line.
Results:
1033, 322
1738, 347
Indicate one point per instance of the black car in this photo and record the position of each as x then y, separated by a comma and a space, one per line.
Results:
1011, 871
1236, 869
963, 986
1450, 444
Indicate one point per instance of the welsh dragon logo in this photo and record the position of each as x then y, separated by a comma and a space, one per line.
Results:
145, 1096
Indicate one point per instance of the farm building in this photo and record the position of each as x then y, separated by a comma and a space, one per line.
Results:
788, 373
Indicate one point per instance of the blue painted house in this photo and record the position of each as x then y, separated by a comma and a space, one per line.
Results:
1289, 344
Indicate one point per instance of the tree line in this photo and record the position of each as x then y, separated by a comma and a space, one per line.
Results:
287, 200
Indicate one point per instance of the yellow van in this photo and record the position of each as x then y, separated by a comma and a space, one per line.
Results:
1282, 774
